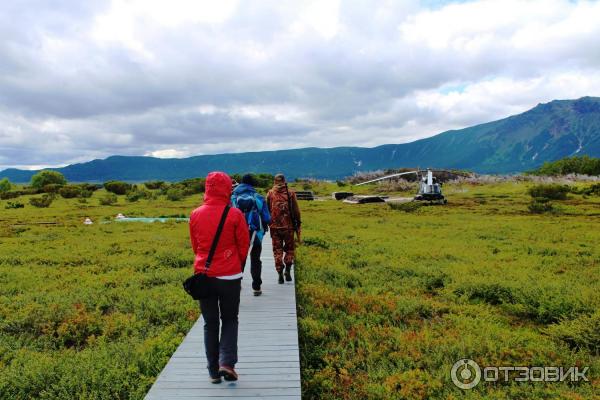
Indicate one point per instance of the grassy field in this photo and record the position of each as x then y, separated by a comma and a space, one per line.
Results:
94, 311
388, 300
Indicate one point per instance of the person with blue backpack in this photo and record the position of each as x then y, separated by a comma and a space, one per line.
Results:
258, 218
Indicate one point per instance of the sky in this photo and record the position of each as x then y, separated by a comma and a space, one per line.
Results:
81, 80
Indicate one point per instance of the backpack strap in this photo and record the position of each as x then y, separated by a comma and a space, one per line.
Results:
213, 247
258, 203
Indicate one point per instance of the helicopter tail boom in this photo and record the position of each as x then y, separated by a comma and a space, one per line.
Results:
387, 177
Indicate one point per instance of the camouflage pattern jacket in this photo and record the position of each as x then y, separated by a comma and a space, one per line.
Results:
279, 207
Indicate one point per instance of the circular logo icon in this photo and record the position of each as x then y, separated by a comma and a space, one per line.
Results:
465, 374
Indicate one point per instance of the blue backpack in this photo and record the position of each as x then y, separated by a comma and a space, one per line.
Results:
250, 205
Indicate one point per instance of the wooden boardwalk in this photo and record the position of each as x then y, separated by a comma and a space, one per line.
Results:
268, 359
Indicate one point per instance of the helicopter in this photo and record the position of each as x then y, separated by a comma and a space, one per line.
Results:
429, 187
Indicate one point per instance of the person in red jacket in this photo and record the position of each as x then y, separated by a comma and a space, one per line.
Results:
224, 275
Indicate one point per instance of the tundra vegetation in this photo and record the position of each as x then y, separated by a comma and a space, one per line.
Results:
583, 165
388, 297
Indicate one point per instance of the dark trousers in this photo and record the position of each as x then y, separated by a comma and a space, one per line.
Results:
255, 263
223, 303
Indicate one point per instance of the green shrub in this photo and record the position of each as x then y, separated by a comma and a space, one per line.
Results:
52, 188
44, 178
163, 190
16, 193
153, 185
491, 293
580, 333
584, 165
41, 202
9, 195
149, 195
550, 304
260, 180
264, 181
69, 191
14, 205
544, 304
175, 194
108, 199
133, 196
136, 195
117, 187
315, 242
341, 183
5, 185
540, 205
186, 190
175, 260
593, 190
85, 194
435, 281
550, 191
408, 207
357, 263
192, 186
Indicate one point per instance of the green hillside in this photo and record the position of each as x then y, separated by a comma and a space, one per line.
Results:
519, 143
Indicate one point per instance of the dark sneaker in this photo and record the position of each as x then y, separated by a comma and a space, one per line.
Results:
216, 379
288, 275
257, 292
280, 278
228, 373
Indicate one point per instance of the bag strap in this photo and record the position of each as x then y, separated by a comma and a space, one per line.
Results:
258, 202
213, 247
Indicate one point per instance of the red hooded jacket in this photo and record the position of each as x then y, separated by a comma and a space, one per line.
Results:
232, 248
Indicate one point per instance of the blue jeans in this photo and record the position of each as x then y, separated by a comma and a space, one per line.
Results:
224, 304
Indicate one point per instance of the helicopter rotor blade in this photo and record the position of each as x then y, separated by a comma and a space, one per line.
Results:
387, 177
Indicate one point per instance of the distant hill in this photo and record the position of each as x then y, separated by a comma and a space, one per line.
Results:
522, 142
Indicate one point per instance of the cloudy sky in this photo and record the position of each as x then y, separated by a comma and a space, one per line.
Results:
171, 78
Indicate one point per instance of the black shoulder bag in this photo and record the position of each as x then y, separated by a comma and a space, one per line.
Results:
197, 284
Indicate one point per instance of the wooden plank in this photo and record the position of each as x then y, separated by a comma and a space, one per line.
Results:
269, 362
226, 397
188, 362
200, 372
203, 384
244, 354
223, 390
193, 377
283, 356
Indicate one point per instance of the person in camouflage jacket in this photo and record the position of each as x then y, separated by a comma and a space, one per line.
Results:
285, 221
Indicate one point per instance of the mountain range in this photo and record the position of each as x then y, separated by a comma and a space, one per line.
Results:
518, 143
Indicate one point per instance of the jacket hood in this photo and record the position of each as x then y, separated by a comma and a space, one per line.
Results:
244, 187
218, 188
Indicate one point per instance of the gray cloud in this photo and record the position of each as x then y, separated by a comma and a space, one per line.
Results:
82, 80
